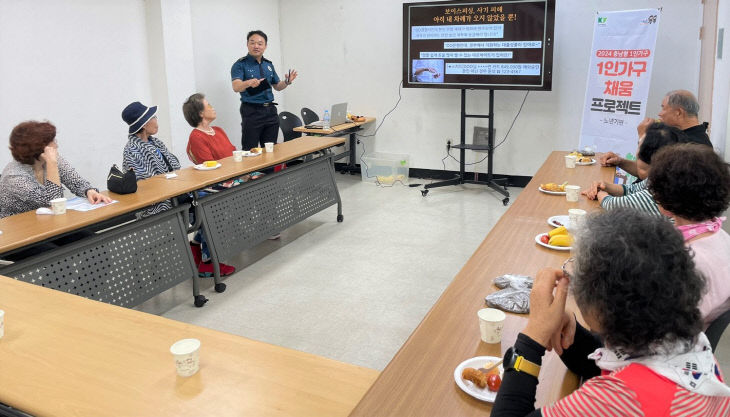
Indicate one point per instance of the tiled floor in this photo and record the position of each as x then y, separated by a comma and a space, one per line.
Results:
351, 291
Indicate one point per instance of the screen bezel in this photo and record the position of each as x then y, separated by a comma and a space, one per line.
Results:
548, 41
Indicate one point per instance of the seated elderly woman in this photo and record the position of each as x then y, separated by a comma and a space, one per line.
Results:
148, 156
636, 286
206, 142
691, 184
145, 154
636, 195
38, 173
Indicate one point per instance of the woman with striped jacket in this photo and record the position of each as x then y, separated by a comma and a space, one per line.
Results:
148, 156
637, 196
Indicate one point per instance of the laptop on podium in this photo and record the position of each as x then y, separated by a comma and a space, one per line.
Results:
338, 116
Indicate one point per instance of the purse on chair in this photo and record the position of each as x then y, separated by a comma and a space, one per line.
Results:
121, 182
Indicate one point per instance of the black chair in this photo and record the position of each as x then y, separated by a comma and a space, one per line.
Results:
309, 116
717, 328
287, 123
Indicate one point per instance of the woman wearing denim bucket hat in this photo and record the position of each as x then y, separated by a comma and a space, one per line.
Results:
148, 156
144, 153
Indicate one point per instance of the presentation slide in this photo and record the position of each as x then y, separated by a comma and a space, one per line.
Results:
488, 45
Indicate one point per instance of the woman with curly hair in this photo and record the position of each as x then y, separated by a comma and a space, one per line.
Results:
637, 288
691, 184
38, 173
612, 196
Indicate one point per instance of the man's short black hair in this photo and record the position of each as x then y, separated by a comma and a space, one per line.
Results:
257, 32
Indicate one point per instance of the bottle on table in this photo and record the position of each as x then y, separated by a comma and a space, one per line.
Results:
326, 120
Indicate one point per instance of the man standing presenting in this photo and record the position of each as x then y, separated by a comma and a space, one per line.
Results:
680, 109
253, 76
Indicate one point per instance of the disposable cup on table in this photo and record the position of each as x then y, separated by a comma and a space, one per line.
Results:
570, 161
58, 205
238, 156
269, 146
572, 193
491, 322
576, 216
187, 356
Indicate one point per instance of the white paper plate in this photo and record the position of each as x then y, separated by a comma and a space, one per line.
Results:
551, 192
249, 153
469, 387
557, 221
537, 240
593, 161
202, 167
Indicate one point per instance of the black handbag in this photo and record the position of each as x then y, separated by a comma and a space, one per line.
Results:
121, 182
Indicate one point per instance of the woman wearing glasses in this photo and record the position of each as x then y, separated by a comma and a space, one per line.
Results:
637, 289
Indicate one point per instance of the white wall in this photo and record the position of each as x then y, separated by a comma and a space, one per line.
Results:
721, 85
358, 59
79, 62
76, 64
219, 29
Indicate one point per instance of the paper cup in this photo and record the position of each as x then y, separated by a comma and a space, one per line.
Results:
2, 324
577, 216
58, 205
238, 156
491, 322
570, 161
186, 353
269, 146
572, 192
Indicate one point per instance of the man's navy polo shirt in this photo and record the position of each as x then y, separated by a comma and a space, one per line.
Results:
247, 68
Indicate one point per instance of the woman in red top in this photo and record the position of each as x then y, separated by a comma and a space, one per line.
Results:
206, 143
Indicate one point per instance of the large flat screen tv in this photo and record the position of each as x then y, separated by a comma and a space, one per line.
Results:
465, 44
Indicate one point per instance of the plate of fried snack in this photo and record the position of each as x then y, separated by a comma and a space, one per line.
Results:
585, 160
480, 377
556, 239
553, 188
207, 165
355, 118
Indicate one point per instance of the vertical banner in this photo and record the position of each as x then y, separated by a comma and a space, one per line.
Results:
618, 79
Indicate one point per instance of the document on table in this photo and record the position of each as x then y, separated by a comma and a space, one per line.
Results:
82, 204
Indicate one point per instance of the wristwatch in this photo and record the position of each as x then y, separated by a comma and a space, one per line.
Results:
513, 360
